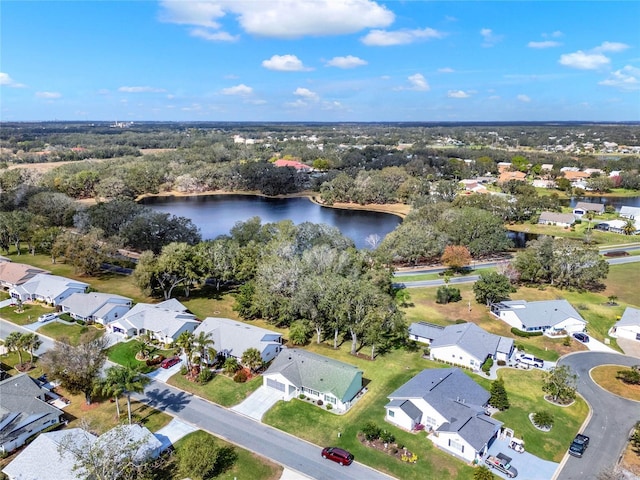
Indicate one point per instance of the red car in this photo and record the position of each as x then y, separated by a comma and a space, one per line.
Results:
170, 362
338, 455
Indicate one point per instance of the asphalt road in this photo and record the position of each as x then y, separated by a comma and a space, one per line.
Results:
612, 417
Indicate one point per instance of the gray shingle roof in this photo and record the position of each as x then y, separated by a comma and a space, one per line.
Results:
46, 285
543, 313
472, 339
87, 304
303, 368
556, 217
158, 318
475, 429
236, 337
631, 316
426, 330
590, 207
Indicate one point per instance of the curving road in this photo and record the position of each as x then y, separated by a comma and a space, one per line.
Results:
612, 417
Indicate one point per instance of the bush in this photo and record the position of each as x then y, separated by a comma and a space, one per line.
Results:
240, 376
205, 376
446, 294
486, 366
566, 341
387, 437
302, 396
80, 322
183, 370
329, 406
155, 361
371, 431
631, 377
460, 321
426, 351
520, 333
501, 363
543, 419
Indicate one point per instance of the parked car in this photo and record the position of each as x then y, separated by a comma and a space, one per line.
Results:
502, 463
170, 362
583, 337
46, 317
527, 359
338, 455
579, 445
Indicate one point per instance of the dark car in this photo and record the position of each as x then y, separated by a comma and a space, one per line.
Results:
583, 337
170, 362
338, 455
579, 445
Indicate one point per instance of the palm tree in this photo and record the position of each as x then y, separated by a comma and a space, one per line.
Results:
125, 380
252, 358
111, 386
205, 343
231, 365
629, 227
186, 342
31, 342
15, 343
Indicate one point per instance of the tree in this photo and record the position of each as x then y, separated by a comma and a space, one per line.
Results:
446, 294
31, 342
499, 397
252, 359
483, 473
456, 257
186, 342
299, 332
629, 227
481, 231
201, 459
560, 383
15, 343
492, 287
126, 380
77, 368
231, 365
110, 386
204, 343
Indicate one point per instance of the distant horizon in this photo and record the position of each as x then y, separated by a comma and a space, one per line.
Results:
320, 60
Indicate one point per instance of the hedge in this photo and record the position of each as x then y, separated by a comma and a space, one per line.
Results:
521, 333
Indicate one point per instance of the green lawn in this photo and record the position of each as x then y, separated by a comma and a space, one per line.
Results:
124, 353
221, 390
8, 362
29, 314
73, 333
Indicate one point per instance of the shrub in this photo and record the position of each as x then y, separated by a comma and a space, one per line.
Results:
567, 341
520, 333
631, 377
446, 294
371, 431
501, 363
543, 419
329, 406
460, 321
205, 376
387, 437
302, 396
486, 366
155, 360
80, 322
426, 351
240, 376
183, 370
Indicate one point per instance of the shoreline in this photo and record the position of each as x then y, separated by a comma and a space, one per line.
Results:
399, 209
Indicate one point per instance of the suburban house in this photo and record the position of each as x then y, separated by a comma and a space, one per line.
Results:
295, 372
35, 462
582, 208
452, 408
232, 338
507, 176
163, 321
299, 166
50, 289
628, 326
24, 411
463, 344
96, 307
559, 219
14, 274
630, 212
548, 316
618, 226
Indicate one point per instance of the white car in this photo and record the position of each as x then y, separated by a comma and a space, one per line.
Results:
527, 359
47, 317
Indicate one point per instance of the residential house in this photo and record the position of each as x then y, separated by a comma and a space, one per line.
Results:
504, 167
542, 183
582, 208
546, 167
628, 326
24, 411
51, 455
232, 338
50, 289
551, 317
96, 307
295, 372
618, 226
508, 176
463, 344
559, 219
299, 166
163, 321
451, 406
630, 212
14, 274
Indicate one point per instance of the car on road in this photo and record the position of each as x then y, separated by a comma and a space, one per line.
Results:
338, 455
46, 317
579, 445
527, 359
582, 337
170, 362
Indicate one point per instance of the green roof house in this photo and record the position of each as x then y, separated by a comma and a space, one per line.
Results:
296, 372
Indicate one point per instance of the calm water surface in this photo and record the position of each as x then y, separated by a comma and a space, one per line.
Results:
216, 214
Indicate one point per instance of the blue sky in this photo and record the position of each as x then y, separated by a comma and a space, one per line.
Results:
320, 60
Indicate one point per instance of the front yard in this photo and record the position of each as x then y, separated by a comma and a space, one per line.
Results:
221, 389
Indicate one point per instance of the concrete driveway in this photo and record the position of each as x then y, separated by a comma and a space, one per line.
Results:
163, 374
629, 347
257, 404
174, 431
529, 466
597, 346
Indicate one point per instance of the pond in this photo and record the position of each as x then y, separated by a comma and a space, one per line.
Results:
616, 202
216, 214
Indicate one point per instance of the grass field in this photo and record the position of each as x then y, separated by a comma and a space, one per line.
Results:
73, 332
29, 313
605, 376
221, 390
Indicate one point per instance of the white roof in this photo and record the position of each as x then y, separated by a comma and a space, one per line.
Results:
156, 318
86, 304
236, 337
630, 317
50, 286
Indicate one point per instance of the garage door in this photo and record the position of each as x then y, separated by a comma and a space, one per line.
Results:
275, 384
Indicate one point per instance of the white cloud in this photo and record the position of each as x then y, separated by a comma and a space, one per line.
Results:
627, 78
613, 47
48, 95
218, 36
7, 81
306, 94
446, 70
385, 38
417, 83
346, 62
299, 103
241, 90
458, 94
584, 61
523, 98
285, 63
140, 89
489, 39
282, 18
544, 44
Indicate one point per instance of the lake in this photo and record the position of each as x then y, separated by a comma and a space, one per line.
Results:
617, 202
216, 214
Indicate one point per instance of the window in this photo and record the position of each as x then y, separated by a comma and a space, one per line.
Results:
391, 413
637, 336
430, 421
455, 445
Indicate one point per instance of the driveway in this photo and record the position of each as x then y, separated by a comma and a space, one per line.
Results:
597, 346
174, 431
629, 347
257, 404
528, 465
163, 374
